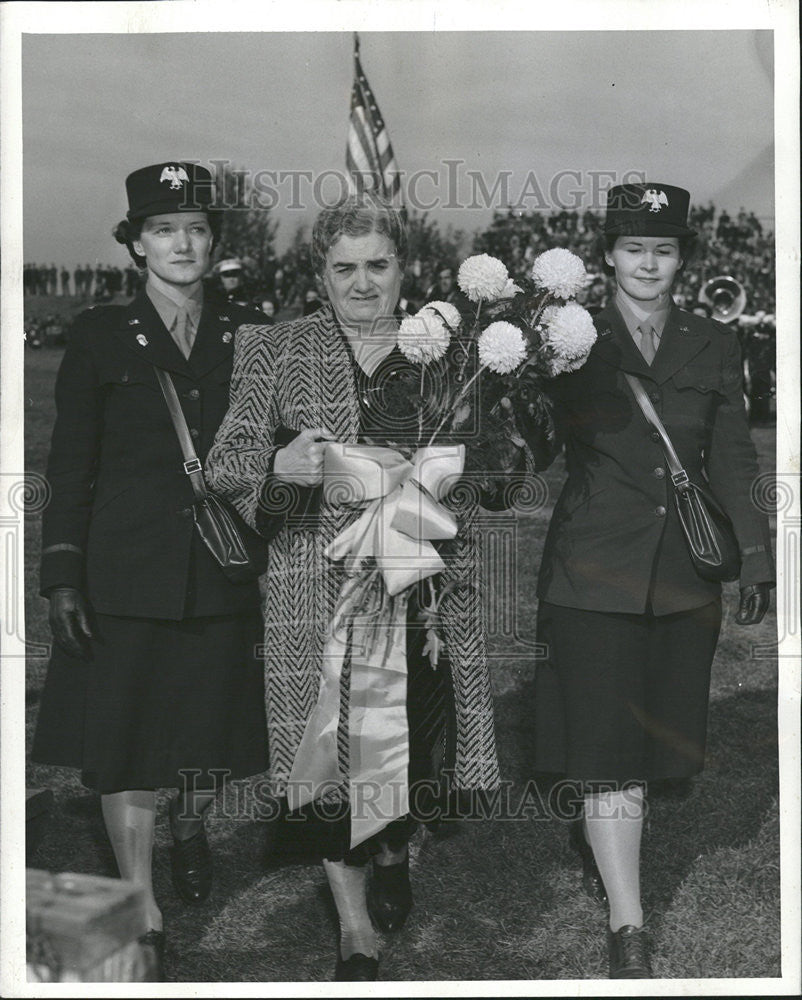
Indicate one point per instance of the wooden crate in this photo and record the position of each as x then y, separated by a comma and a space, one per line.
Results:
85, 928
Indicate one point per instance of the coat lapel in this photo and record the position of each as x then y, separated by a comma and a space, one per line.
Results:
683, 338
142, 331
615, 346
214, 341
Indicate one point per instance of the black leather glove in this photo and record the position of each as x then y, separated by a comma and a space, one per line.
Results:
69, 621
754, 603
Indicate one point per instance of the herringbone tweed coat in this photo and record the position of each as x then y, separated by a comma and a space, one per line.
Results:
299, 375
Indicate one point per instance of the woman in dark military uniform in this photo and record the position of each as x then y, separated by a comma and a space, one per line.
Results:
154, 680
630, 627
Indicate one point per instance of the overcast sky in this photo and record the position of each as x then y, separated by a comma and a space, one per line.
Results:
688, 108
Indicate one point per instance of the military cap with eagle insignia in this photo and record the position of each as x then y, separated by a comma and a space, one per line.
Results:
172, 186
647, 209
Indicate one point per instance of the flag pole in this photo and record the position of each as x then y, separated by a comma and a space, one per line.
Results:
369, 153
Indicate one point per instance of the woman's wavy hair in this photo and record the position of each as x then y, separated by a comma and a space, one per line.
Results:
358, 215
128, 230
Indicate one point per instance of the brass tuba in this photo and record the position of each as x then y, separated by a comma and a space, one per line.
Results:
725, 296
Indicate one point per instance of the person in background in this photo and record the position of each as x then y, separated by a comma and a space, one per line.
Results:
231, 275
153, 682
311, 301
447, 290
268, 308
629, 625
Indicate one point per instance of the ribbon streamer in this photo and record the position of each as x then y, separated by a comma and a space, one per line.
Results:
401, 518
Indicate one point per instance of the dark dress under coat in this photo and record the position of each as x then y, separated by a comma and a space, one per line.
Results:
174, 682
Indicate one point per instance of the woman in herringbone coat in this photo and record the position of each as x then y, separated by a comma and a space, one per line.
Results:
324, 377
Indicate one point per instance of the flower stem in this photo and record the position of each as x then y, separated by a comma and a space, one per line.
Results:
457, 400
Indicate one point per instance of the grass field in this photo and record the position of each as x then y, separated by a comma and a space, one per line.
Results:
499, 899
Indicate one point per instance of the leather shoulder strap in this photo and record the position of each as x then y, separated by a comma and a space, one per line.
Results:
678, 474
192, 464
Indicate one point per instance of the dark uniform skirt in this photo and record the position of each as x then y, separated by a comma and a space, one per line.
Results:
161, 704
623, 697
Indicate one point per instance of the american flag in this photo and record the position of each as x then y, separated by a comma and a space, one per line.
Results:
369, 155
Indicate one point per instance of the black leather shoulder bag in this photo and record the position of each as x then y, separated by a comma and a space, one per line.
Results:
709, 533
240, 552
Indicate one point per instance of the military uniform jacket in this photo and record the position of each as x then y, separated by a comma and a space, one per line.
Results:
615, 543
119, 524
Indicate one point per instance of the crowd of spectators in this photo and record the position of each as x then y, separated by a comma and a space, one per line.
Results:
99, 283
736, 247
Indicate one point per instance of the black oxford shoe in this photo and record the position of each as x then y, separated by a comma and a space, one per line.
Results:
628, 953
191, 863
357, 968
390, 895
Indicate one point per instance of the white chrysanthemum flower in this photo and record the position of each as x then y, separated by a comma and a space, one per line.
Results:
423, 338
502, 347
448, 312
560, 272
568, 330
558, 365
482, 277
510, 290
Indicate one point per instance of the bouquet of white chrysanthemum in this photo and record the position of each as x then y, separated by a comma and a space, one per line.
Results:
536, 333
476, 379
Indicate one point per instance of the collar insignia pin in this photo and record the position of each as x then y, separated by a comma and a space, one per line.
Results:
133, 322
606, 332
142, 340
224, 319
227, 337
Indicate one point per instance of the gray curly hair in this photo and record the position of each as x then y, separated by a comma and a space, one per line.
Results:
357, 215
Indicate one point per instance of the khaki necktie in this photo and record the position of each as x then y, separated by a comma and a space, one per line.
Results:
647, 343
182, 331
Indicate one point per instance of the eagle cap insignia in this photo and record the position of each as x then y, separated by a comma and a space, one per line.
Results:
175, 175
655, 199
